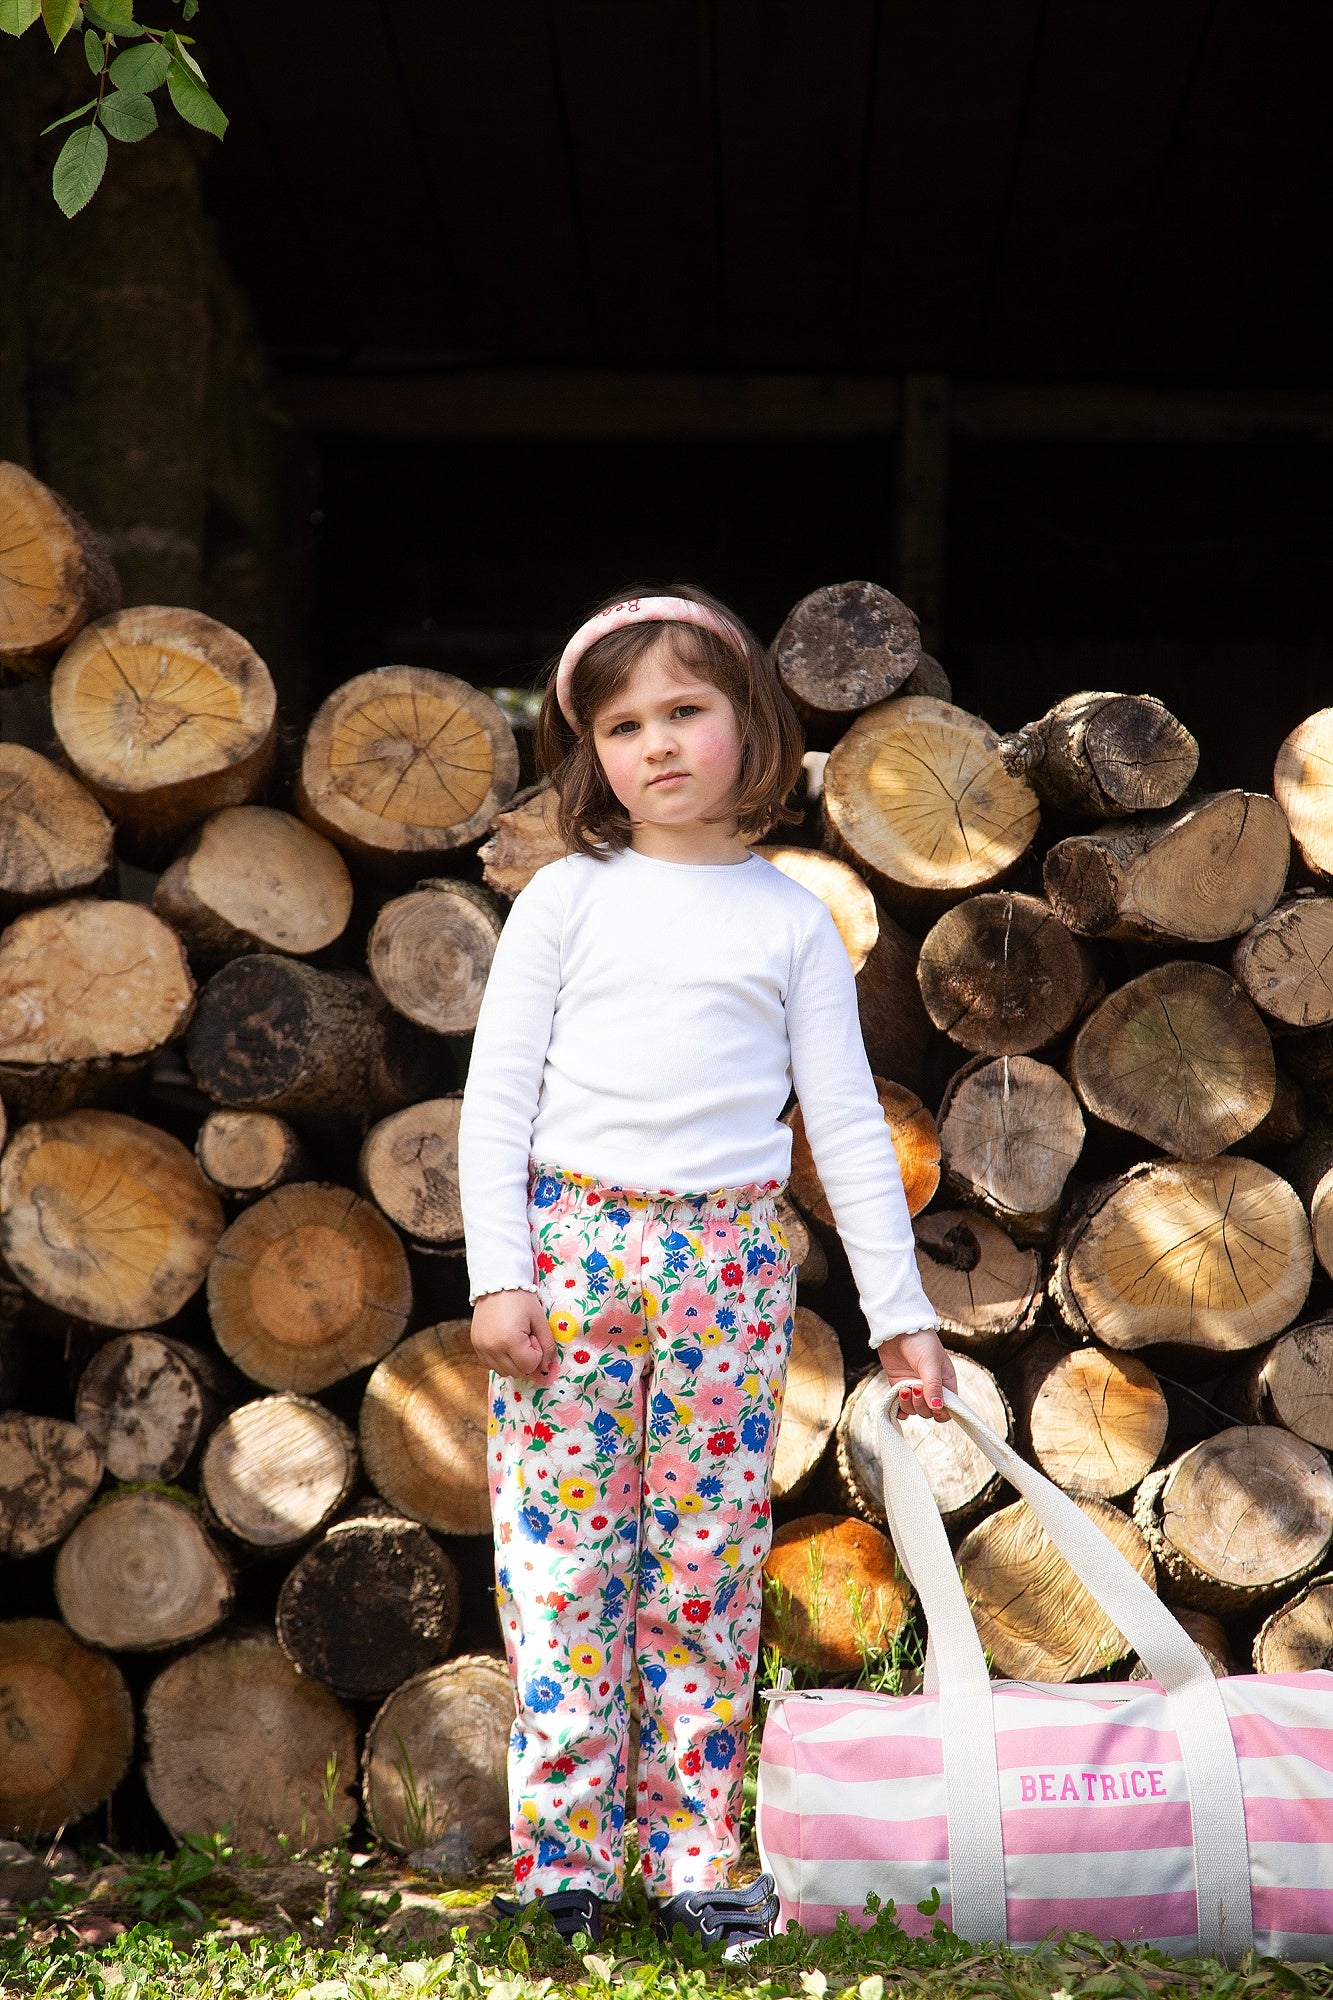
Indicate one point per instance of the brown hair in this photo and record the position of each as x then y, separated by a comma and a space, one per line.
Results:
590, 817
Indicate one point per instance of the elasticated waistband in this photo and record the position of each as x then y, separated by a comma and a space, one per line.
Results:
591, 1192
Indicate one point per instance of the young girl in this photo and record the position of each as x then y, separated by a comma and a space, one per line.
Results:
654, 996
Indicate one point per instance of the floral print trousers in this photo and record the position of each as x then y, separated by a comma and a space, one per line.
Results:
630, 1496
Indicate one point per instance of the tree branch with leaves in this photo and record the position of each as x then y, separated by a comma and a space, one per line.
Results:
125, 79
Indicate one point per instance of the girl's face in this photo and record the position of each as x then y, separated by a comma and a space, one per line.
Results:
667, 724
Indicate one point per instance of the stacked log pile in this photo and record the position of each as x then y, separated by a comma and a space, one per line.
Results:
242, 1430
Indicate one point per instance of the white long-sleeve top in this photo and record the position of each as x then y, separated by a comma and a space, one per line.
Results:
644, 1022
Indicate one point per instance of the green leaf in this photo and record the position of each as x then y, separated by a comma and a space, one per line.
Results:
60, 16
68, 117
189, 10
17, 16
128, 115
79, 169
144, 68
194, 103
114, 17
179, 46
94, 50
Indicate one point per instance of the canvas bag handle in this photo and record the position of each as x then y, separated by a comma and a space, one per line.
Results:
1198, 1711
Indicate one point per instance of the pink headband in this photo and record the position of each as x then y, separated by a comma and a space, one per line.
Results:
634, 611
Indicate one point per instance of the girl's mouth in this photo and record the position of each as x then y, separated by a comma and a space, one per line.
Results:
668, 778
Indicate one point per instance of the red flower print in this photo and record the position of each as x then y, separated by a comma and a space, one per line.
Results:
582, 1354
749, 1474
542, 1433
603, 1687
722, 1443
691, 1850
732, 1274
598, 1521
523, 1867
691, 1687
545, 1262
563, 1767
695, 1609
691, 1763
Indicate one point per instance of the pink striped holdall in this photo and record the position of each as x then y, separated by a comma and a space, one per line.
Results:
1185, 1812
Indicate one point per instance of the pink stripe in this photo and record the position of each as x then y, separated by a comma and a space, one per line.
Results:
839, 1837
1297, 1910
857, 1761
814, 1836
1103, 1742
1121, 1917
779, 1746
1257, 1736
1108, 1829
1308, 1820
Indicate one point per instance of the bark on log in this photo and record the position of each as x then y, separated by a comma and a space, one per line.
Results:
434, 1760
1203, 873
430, 953
1283, 1125
1010, 1136
811, 1403
245, 1154
1097, 1423
1002, 976
1239, 1519
1292, 1384
261, 1763
90, 992
307, 1286
405, 1591
523, 838
1034, 1617
423, 1430
1301, 785
140, 1573
409, 1167
1309, 1167
57, 572
961, 1478
105, 1218
834, 1596
68, 1730
255, 880
166, 716
894, 1024
915, 1142
1309, 1057
272, 1034
1285, 963
277, 1470
1209, 1254
928, 677
55, 840
49, 1472
404, 764
146, 1401
1297, 1638
985, 1289
1104, 754
1178, 1056
916, 799
1208, 1635
842, 649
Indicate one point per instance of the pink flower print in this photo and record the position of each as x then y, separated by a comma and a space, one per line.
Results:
689, 1310
674, 1472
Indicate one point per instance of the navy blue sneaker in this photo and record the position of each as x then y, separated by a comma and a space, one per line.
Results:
738, 1919
570, 1910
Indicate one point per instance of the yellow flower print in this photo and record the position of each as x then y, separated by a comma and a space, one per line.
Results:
638, 1345
577, 1493
617, 1265
779, 1236
731, 1556
530, 1810
723, 1709
711, 1336
625, 1418
677, 1656
564, 1325
651, 1307
688, 1503
585, 1660
584, 1825
684, 1411
751, 1385
679, 1820
492, 1426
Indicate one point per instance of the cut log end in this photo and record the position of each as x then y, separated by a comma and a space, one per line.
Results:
255, 880
409, 1168
49, 1472
961, 1478
834, 1597
430, 953
915, 1143
69, 1728
141, 1399
845, 647
406, 1593
1010, 1135
434, 1761
275, 1471
423, 1430
1034, 1617
1002, 976
1240, 1518
1098, 1423
985, 1289
55, 840
57, 573
811, 1403
140, 1573
246, 1154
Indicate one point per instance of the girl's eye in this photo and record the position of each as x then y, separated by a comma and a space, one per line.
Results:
690, 706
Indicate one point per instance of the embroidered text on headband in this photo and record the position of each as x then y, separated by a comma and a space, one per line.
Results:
634, 611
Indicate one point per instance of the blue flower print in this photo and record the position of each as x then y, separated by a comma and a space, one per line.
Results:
518, 1740
617, 1817
604, 1427
724, 1596
710, 1487
613, 1597
620, 1369
725, 1317
667, 1518
655, 1676
754, 1431
546, 1191
596, 1261
630, 1532
719, 1749
498, 1407
650, 1571
502, 1578
618, 1214
689, 1357
761, 1255
658, 1841
543, 1694
549, 1852
536, 1525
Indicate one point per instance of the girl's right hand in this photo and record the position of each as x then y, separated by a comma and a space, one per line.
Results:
510, 1333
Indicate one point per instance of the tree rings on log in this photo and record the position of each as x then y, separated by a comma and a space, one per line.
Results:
139, 1573
915, 1143
423, 1430
1203, 873
524, 837
811, 1403
142, 1400
405, 763
1301, 782
1297, 1638
245, 1154
961, 1477
984, 1288
49, 1472
1178, 1056
430, 953
252, 879
55, 572
1104, 754
307, 1286
406, 1596
1208, 1635
89, 992
409, 1167
1292, 1384
1034, 1617
1285, 963
916, 798
842, 649
1010, 1135
275, 1471
1239, 1519
435, 1758
55, 840
835, 1598
166, 716
105, 1218
1002, 976
237, 1738
1211, 1254
68, 1730
1097, 1423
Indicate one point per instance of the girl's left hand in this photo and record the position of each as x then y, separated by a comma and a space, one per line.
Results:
922, 1366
